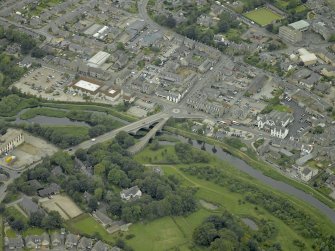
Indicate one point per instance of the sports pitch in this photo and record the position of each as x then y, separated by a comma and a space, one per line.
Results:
263, 16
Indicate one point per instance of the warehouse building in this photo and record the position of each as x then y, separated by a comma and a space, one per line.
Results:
10, 140
98, 59
289, 34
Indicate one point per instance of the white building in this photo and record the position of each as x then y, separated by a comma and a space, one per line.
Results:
86, 86
275, 122
307, 57
131, 193
10, 140
279, 132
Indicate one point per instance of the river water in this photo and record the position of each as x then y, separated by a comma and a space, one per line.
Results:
278, 185
45, 120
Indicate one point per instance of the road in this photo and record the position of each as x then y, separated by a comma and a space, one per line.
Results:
127, 128
144, 140
13, 174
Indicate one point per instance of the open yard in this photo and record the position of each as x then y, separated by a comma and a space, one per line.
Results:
62, 204
87, 225
32, 150
263, 16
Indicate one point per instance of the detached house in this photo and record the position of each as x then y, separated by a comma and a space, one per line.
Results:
131, 193
14, 243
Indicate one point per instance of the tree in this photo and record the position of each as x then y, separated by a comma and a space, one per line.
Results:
36, 218
131, 213
118, 177
170, 22
81, 154
332, 38
205, 234
38, 53
124, 139
17, 225
93, 204
52, 221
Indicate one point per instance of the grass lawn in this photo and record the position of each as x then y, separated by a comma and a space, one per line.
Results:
262, 16
87, 225
282, 108
301, 8
93, 107
10, 233
12, 211
44, 111
166, 233
33, 231
71, 130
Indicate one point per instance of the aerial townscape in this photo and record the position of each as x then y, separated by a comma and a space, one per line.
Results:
167, 125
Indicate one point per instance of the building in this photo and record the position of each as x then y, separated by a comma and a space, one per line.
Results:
100, 246
131, 193
86, 86
322, 29
14, 243
52, 189
301, 25
113, 94
85, 244
71, 241
102, 218
57, 239
37, 241
275, 122
279, 132
28, 206
98, 59
307, 57
307, 173
289, 34
10, 140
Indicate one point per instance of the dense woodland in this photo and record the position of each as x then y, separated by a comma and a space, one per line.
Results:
226, 232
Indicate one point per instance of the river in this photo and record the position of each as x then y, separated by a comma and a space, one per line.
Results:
278, 185
45, 120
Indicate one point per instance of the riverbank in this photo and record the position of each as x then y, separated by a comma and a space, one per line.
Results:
264, 168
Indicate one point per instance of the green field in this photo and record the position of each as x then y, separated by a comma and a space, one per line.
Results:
171, 232
81, 131
43, 111
87, 225
262, 16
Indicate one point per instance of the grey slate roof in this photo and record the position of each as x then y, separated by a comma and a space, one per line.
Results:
53, 188
28, 205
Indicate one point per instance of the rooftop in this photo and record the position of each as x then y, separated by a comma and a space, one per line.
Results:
10, 135
83, 84
299, 25
98, 59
